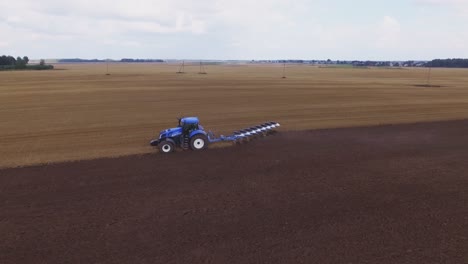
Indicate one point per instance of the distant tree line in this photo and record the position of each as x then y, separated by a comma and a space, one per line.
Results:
372, 63
448, 63
79, 60
291, 61
353, 63
141, 60
10, 63
97, 60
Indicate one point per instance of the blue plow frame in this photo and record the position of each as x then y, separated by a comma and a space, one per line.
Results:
245, 133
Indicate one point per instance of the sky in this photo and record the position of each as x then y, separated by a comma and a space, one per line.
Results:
235, 29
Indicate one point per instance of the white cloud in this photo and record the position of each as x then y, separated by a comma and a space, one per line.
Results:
242, 29
83, 17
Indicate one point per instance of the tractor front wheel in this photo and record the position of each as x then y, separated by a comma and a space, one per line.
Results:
166, 147
198, 142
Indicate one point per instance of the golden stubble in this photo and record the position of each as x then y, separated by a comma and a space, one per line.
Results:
78, 112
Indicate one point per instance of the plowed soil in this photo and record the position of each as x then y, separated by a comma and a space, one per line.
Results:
387, 194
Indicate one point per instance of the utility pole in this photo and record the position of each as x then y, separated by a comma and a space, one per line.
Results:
428, 82
202, 69
107, 67
182, 67
284, 71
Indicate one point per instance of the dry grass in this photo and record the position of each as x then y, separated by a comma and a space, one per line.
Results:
81, 113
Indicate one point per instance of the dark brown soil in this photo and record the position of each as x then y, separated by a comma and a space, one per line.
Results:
428, 85
388, 194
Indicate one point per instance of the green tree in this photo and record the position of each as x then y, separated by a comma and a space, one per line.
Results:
7, 61
20, 63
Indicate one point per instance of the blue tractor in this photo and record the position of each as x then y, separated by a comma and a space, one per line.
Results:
189, 134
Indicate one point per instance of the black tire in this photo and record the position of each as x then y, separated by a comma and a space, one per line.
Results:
199, 142
166, 147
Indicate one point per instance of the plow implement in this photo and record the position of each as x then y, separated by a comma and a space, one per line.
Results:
247, 133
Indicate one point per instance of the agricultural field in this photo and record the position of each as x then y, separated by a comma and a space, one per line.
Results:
369, 166
78, 112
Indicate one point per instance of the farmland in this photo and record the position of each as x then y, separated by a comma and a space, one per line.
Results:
78, 112
369, 166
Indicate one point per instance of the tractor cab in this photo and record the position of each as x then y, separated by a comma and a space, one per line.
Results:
189, 124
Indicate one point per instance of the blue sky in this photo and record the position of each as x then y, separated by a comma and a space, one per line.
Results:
241, 29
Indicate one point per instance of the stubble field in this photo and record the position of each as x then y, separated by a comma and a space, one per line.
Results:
79, 112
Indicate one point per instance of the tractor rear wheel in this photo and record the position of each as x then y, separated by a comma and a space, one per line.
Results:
198, 142
166, 147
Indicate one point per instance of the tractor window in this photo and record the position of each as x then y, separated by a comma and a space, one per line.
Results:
189, 127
